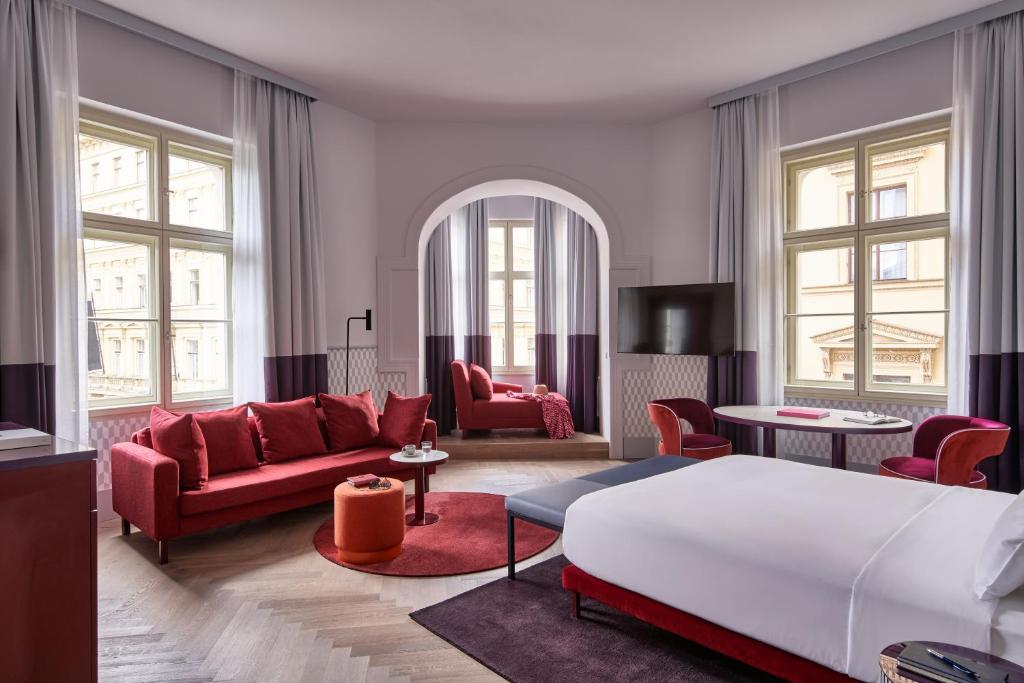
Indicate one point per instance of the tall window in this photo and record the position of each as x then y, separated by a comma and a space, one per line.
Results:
511, 300
866, 265
140, 231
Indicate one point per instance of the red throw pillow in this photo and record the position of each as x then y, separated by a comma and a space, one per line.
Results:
289, 429
480, 382
179, 437
351, 420
403, 420
228, 443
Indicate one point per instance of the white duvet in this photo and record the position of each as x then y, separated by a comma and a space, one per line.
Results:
826, 564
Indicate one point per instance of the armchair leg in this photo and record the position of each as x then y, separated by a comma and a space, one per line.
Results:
126, 527
161, 547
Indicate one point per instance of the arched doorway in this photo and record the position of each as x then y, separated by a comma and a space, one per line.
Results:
535, 188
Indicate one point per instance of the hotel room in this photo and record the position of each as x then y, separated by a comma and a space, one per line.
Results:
534, 341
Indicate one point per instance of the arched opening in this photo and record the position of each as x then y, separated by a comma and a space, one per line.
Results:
534, 188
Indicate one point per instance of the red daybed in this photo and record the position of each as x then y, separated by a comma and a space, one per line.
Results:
757, 654
147, 493
497, 412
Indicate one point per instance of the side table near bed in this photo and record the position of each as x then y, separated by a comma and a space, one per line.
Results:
887, 661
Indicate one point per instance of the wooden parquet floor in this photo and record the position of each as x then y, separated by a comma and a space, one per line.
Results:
256, 602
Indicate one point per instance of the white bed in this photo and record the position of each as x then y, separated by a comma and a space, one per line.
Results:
826, 564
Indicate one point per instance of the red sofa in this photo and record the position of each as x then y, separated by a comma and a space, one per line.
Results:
146, 489
498, 412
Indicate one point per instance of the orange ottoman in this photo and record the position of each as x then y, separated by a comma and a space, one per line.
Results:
369, 524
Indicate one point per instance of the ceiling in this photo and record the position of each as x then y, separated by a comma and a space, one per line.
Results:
536, 60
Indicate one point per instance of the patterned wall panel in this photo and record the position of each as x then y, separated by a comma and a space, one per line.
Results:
363, 368
104, 432
867, 450
669, 377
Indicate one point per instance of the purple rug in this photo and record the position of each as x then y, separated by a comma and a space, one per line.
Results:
522, 630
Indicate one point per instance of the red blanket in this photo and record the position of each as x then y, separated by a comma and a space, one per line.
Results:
557, 418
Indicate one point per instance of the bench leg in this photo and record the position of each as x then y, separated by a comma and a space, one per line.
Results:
126, 527
575, 610
511, 546
161, 548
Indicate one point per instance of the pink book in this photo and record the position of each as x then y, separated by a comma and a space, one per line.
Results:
807, 413
363, 479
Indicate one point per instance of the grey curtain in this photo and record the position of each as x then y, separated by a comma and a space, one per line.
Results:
477, 335
278, 250
987, 327
42, 369
440, 341
546, 291
581, 389
746, 236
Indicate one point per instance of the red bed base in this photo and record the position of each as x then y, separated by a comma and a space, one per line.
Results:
760, 655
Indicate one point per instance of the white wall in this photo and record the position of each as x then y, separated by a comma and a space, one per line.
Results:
346, 180
909, 82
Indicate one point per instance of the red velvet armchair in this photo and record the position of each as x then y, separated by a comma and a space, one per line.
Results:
497, 412
947, 450
703, 443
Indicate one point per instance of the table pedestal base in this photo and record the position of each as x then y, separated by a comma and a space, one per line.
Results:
428, 519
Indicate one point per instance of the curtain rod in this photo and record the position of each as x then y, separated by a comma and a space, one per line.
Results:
860, 54
144, 27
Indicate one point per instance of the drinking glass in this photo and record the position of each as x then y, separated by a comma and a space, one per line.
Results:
426, 447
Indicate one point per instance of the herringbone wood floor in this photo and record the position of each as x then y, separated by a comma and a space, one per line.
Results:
255, 602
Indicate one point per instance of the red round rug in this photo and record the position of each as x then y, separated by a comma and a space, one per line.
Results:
470, 537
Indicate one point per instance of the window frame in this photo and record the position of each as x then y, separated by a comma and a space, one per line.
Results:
161, 233
864, 233
508, 276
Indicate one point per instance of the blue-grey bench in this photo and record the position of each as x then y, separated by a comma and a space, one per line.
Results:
546, 505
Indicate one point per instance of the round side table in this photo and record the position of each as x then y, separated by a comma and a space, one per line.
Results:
887, 661
420, 461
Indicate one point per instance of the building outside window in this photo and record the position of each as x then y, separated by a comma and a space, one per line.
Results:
132, 236
866, 235
511, 305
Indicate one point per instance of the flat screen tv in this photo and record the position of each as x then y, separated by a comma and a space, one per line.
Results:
693, 320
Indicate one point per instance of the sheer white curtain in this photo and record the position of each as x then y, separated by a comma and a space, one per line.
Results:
42, 343
248, 273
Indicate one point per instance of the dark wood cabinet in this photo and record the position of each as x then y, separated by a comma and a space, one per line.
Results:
48, 564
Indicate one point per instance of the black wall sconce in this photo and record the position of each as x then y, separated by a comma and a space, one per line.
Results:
348, 333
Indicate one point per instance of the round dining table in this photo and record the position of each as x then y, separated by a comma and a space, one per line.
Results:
768, 419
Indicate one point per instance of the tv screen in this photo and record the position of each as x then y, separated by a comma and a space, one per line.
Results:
697, 320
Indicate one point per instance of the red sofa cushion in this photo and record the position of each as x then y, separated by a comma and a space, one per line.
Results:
179, 437
289, 429
351, 420
284, 478
228, 445
505, 407
403, 420
480, 382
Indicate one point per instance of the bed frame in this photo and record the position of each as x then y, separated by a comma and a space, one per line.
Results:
757, 654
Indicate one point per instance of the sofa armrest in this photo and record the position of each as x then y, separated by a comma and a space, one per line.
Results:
430, 432
502, 387
145, 489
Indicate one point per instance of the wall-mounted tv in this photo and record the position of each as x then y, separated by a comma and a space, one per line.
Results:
697, 320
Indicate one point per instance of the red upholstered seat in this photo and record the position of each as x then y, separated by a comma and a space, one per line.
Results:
283, 479
947, 450
702, 443
497, 412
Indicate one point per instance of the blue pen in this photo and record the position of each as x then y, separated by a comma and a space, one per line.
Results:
956, 665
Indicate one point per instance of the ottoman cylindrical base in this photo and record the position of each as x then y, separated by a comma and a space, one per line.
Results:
369, 524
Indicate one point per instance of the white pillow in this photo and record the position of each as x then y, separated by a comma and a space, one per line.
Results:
1000, 569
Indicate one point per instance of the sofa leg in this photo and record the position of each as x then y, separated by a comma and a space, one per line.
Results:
575, 610
161, 547
126, 527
